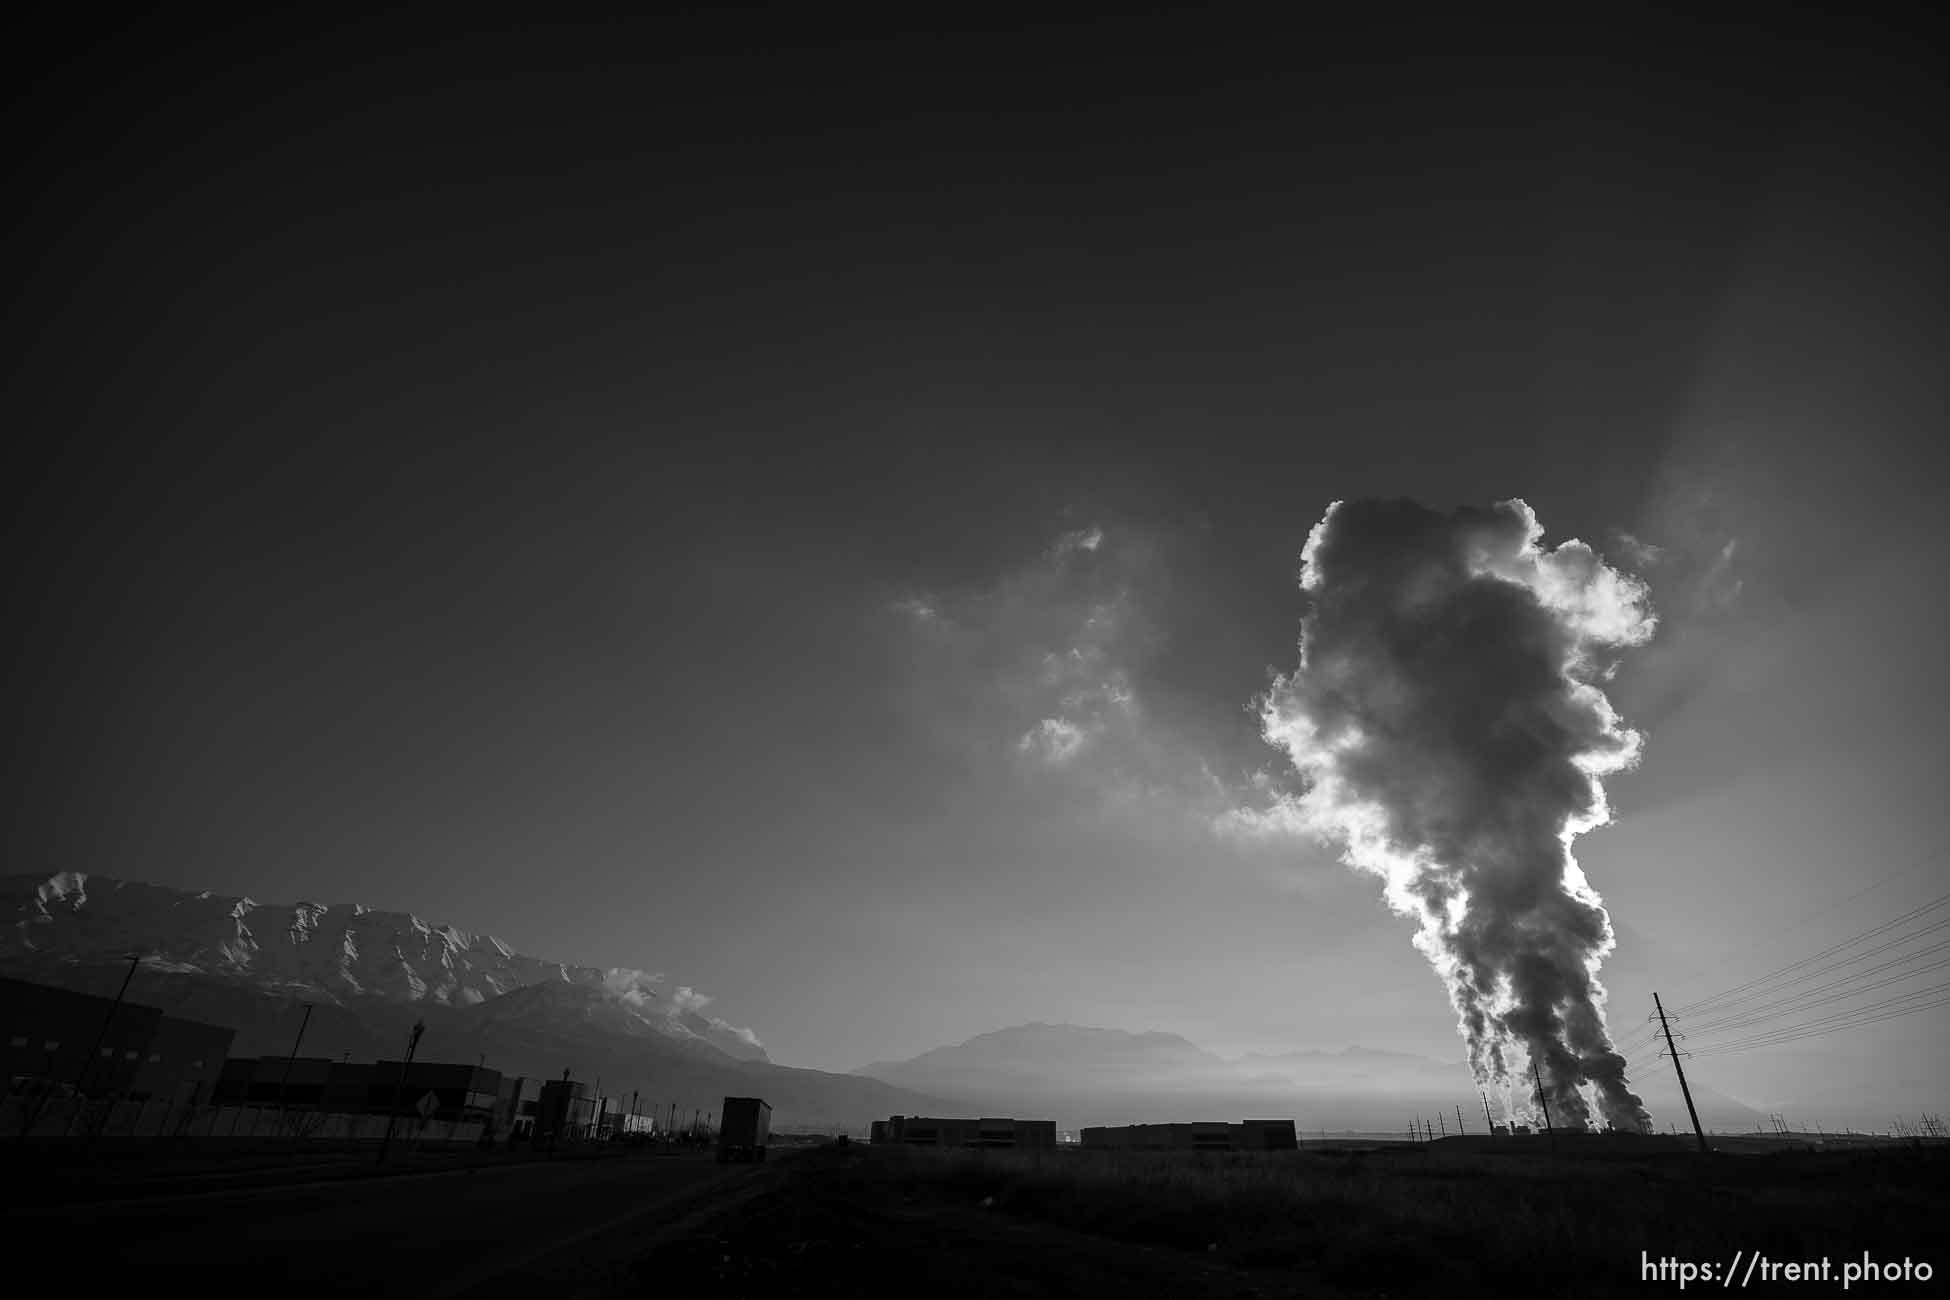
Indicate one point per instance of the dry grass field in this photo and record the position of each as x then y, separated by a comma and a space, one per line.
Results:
1409, 1220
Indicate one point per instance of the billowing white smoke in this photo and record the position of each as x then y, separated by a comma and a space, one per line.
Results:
1447, 721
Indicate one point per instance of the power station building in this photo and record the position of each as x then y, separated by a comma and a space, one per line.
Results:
1247, 1135
924, 1131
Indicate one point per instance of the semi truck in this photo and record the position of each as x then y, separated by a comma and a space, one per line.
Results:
744, 1130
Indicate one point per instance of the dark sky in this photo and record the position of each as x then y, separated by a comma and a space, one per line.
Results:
500, 472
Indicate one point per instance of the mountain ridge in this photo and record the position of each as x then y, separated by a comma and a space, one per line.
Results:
1153, 1077
349, 981
346, 953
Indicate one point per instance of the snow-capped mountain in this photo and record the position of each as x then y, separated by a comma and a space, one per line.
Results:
344, 954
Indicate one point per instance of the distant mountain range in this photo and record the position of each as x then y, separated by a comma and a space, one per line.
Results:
1083, 1075
369, 974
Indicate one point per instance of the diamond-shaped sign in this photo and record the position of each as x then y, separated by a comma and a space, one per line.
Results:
427, 1105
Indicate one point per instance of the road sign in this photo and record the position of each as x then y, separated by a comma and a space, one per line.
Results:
427, 1105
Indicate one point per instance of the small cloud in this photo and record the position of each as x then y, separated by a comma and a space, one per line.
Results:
1283, 818
742, 1035
1054, 740
1719, 587
1640, 553
686, 998
1083, 539
917, 608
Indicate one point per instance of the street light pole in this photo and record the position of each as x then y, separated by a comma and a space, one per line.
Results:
412, 1042
285, 1081
88, 1062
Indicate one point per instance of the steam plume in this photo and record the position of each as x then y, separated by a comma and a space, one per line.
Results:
1447, 719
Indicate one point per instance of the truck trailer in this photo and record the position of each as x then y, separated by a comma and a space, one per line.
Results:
744, 1130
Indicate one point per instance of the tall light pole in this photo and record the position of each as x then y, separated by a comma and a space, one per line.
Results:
88, 1062
412, 1043
285, 1081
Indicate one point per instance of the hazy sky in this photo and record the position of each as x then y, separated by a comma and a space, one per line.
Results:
811, 514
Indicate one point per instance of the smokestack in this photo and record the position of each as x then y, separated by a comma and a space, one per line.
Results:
1448, 721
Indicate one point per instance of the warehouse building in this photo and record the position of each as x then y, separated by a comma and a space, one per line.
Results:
299, 1083
515, 1105
1247, 1135
564, 1109
59, 1038
461, 1092
925, 1131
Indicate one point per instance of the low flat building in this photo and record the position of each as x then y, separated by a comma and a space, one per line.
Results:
348, 1087
461, 1092
1247, 1135
1265, 1135
928, 1131
298, 1083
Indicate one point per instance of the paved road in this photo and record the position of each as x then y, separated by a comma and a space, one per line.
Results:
425, 1235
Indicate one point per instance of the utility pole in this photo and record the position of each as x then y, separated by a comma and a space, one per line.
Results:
285, 1080
399, 1089
1545, 1102
88, 1062
1684, 1091
1489, 1125
1459, 1123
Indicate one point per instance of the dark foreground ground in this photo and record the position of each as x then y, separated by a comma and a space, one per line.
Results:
1413, 1221
1406, 1220
438, 1228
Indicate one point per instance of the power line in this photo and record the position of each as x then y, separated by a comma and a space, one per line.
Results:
1832, 1020
1835, 990
1731, 1005
1833, 997
1928, 859
1829, 951
1889, 1009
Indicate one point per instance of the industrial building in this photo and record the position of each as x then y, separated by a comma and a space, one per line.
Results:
299, 1083
1247, 1135
63, 1039
622, 1124
514, 1106
564, 1108
461, 1092
925, 1131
